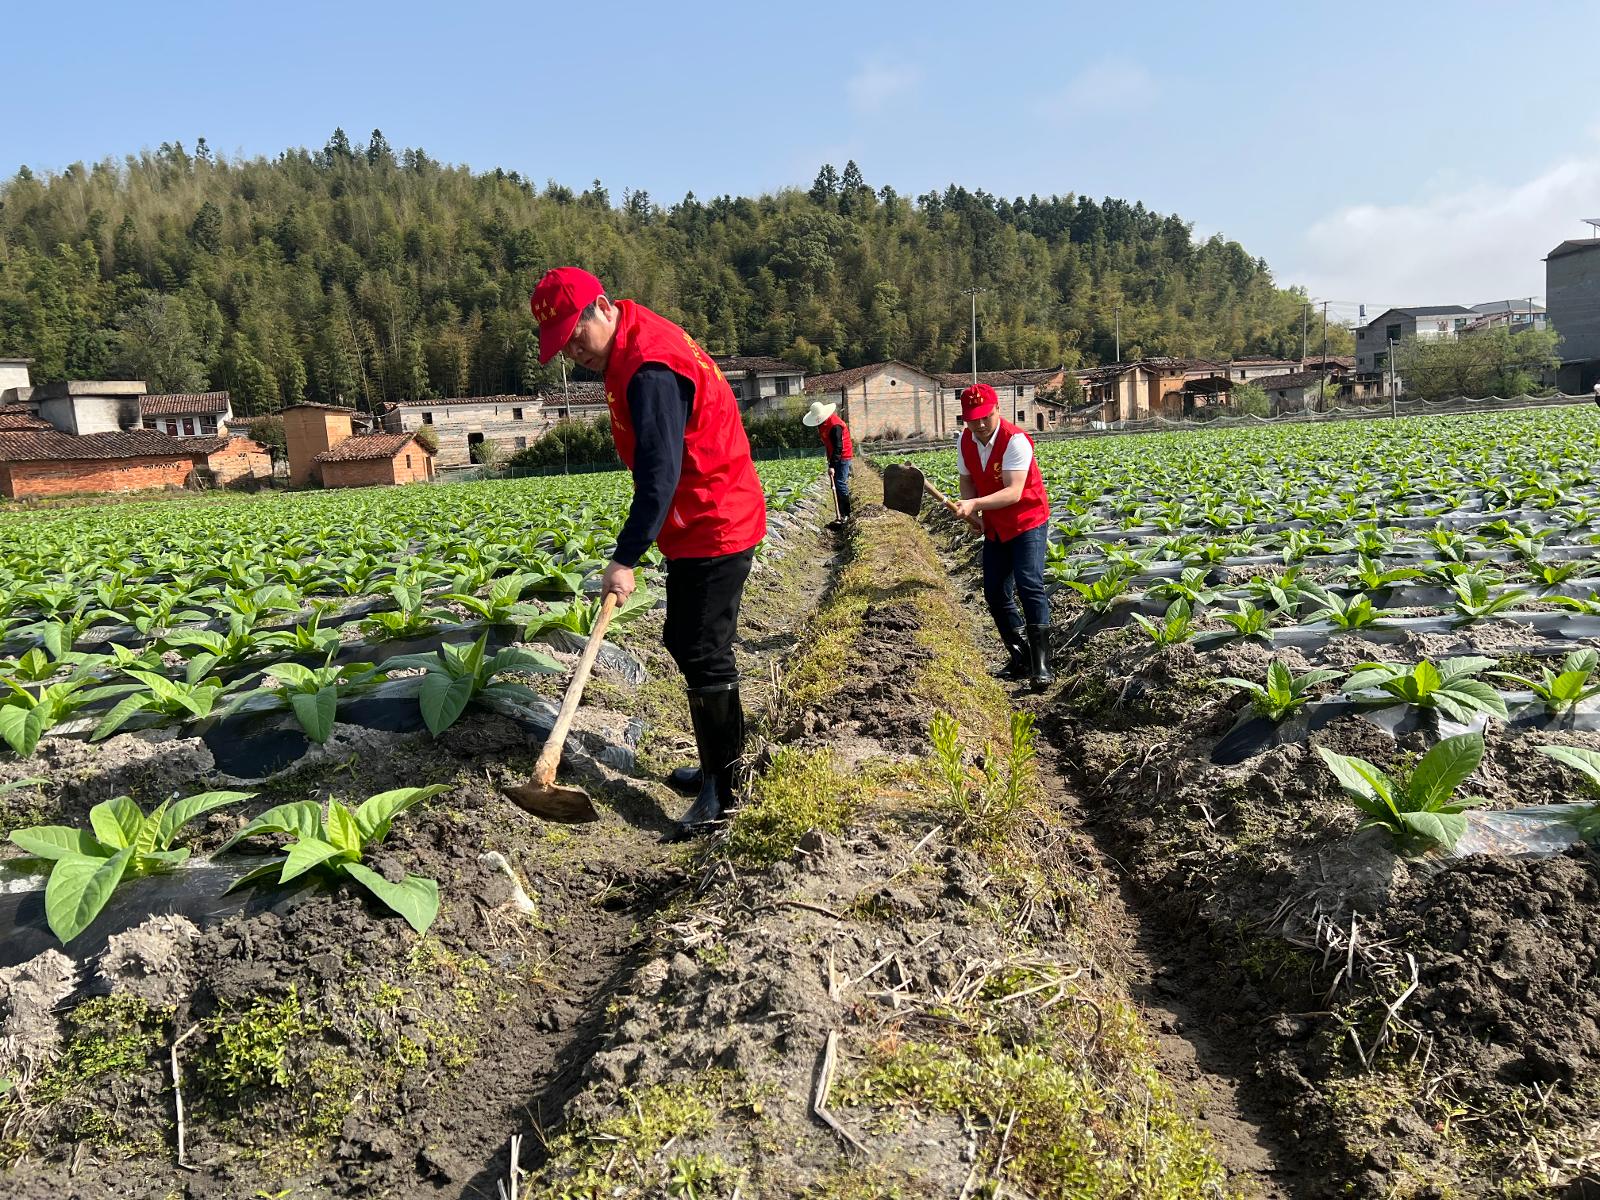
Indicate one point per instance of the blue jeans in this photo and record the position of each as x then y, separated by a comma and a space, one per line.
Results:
841, 480
1021, 562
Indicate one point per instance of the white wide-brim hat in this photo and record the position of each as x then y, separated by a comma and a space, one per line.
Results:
818, 413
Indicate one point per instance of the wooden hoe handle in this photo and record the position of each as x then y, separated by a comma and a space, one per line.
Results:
975, 521
544, 771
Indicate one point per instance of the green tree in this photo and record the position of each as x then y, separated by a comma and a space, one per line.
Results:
1494, 362
156, 343
1251, 400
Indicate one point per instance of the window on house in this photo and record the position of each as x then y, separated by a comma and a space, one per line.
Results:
516, 414
522, 443
188, 427
1380, 361
427, 418
1391, 333
172, 427
784, 384
408, 462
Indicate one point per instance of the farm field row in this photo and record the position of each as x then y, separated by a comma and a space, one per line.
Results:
1330, 694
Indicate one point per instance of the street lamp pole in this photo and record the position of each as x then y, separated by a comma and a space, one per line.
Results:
974, 292
1117, 312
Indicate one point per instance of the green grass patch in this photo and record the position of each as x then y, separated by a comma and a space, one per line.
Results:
800, 791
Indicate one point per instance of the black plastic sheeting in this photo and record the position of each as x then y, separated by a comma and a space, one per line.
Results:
194, 891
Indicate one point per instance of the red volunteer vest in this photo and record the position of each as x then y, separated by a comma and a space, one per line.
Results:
846, 450
1030, 512
719, 507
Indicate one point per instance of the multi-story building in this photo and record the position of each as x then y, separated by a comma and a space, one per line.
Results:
1427, 323
1572, 290
763, 385
463, 423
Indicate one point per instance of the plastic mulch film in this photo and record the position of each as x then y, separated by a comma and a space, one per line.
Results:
1537, 831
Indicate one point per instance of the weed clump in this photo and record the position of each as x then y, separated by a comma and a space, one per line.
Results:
801, 791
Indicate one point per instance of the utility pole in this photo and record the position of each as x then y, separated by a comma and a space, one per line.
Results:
1305, 316
974, 293
1119, 332
566, 412
1324, 333
1393, 381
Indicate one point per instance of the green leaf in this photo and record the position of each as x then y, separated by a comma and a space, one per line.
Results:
1435, 828
145, 840
78, 890
306, 854
292, 674
302, 818
22, 727
1355, 775
119, 716
444, 699
417, 899
255, 875
376, 814
343, 830
1585, 761
116, 822
1482, 696
1470, 664
186, 810
59, 841
515, 658
315, 711
1443, 769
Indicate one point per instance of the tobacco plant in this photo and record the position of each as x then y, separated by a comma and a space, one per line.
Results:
122, 842
1283, 692
1419, 808
461, 675
1450, 686
1177, 626
1561, 691
333, 844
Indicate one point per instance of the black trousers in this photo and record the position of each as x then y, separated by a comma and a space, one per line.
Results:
703, 597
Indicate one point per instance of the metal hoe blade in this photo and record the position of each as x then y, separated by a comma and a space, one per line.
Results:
902, 488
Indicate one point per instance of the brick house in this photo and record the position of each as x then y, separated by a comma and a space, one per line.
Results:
50, 463
375, 460
196, 414
224, 461
511, 422
310, 429
882, 399
763, 385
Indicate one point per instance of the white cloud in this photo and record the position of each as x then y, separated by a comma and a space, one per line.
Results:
876, 84
1473, 243
1108, 84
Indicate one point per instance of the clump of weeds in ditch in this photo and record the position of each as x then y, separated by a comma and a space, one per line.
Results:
985, 810
800, 791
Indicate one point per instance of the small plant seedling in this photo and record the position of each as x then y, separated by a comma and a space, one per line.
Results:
1474, 603
1587, 764
122, 843
1283, 692
1177, 626
1564, 690
1448, 686
1420, 810
459, 675
333, 843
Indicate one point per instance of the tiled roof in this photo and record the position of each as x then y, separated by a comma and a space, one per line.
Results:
577, 395
836, 380
136, 443
367, 446
739, 365
184, 404
210, 445
1435, 310
1316, 362
15, 418
448, 401
1163, 363
1259, 358
1292, 380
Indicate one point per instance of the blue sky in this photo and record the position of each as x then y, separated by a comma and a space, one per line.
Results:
1377, 153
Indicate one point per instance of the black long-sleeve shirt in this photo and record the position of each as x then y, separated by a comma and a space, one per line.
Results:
659, 402
835, 445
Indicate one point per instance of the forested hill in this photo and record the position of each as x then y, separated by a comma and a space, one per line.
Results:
362, 273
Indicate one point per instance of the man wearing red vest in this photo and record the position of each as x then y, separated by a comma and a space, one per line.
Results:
676, 425
1000, 480
835, 435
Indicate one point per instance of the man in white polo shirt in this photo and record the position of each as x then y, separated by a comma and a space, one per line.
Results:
1000, 482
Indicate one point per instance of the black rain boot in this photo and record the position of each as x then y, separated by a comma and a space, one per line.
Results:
1021, 665
719, 735
684, 780
844, 509
1039, 645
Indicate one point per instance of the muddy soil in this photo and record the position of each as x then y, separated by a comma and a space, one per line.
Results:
1453, 1049
323, 1047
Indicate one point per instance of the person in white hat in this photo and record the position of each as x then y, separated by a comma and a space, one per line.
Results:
824, 417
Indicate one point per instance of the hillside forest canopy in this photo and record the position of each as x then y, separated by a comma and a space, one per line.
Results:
357, 274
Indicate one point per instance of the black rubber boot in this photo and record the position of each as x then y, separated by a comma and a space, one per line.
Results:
719, 735
684, 780
844, 508
1039, 646
1021, 664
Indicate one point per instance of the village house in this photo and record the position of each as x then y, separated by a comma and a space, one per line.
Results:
1249, 368
84, 406
47, 462
1291, 392
883, 400
463, 423
198, 414
763, 385
374, 460
225, 461
15, 384
1572, 290
1374, 339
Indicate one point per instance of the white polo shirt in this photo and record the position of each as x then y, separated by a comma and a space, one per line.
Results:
1019, 453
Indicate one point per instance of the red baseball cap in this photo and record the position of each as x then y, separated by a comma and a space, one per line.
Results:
562, 294
977, 402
